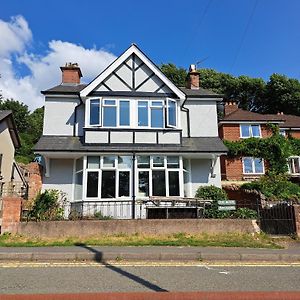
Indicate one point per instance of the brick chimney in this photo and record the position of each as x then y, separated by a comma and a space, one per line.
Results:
193, 78
230, 107
71, 73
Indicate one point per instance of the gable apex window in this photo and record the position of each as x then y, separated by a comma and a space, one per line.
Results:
249, 130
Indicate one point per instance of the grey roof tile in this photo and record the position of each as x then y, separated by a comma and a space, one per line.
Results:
4, 114
76, 144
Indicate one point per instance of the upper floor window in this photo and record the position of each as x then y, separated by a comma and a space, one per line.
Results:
248, 130
294, 165
125, 113
252, 165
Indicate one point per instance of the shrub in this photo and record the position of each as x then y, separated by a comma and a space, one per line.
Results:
98, 215
245, 213
211, 193
275, 187
48, 206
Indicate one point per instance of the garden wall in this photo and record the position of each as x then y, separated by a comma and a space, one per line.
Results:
90, 228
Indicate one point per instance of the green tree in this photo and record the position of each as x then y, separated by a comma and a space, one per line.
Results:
282, 95
175, 74
20, 112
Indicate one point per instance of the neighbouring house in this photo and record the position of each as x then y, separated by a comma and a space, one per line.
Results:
238, 124
12, 181
128, 135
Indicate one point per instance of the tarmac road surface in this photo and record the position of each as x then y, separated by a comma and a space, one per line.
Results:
39, 278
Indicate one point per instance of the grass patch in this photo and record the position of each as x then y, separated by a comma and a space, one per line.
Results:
178, 239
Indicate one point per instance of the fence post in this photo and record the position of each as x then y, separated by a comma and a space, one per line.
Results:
11, 214
297, 219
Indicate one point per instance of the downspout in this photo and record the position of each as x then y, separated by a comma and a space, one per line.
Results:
75, 114
133, 185
185, 109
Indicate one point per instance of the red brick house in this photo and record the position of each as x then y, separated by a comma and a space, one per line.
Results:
240, 124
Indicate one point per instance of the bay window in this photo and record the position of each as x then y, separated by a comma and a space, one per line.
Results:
78, 179
145, 113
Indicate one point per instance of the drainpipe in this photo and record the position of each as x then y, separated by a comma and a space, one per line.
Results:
75, 114
133, 185
188, 118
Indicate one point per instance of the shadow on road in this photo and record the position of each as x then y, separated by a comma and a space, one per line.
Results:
99, 258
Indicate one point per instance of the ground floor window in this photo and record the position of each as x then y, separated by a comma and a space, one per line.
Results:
252, 165
112, 177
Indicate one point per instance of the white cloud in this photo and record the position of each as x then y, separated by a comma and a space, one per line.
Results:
44, 70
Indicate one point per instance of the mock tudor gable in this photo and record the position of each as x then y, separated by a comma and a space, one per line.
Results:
132, 73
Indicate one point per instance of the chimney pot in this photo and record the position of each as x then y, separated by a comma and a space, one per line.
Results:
71, 73
230, 107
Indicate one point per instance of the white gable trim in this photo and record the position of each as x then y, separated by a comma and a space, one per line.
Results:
121, 59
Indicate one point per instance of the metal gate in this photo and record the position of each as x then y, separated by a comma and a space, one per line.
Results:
278, 218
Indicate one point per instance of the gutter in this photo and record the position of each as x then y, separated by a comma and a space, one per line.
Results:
75, 114
188, 117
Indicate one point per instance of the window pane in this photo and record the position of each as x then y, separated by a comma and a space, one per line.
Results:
124, 113
247, 165
109, 116
282, 132
255, 131
158, 183
158, 161
93, 162
157, 117
108, 185
79, 164
173, 161
143, 183
245, 129
258, 165
109, 161
94, 111
110, 102
78, 186
156, 103
124, 162
173, 183
124, 181
172, 112
143, 113
296, 165
92, 184
143, 162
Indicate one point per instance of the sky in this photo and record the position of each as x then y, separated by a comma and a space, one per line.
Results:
242, 37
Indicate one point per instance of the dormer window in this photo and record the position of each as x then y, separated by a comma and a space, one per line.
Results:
133, 113
249, 130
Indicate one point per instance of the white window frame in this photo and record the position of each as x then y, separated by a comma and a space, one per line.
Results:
109, 105
253, 165
88, 112
292, 172
163, 107
250, 131
167, 113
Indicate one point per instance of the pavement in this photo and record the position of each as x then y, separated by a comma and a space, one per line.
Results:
155, 253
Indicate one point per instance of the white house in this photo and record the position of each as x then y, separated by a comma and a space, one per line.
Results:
129, 134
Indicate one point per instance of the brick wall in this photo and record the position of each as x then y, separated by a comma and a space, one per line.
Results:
295, 133
11, 213
232, 169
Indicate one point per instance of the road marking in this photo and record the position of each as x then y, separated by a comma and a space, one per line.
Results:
207, 265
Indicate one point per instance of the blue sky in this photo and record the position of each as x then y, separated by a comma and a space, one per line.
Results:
241, 37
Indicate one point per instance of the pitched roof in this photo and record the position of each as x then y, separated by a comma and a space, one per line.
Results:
284, 121
200, 93
8, 115
241, 115
4, 114
76, 144
291, 121
65, 89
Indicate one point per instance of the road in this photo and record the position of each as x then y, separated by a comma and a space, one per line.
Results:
23, 278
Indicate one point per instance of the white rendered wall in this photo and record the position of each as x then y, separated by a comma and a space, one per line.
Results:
201, 176
61, 177
203, 118
59, 115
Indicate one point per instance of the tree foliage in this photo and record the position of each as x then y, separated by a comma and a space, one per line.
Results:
278, 94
